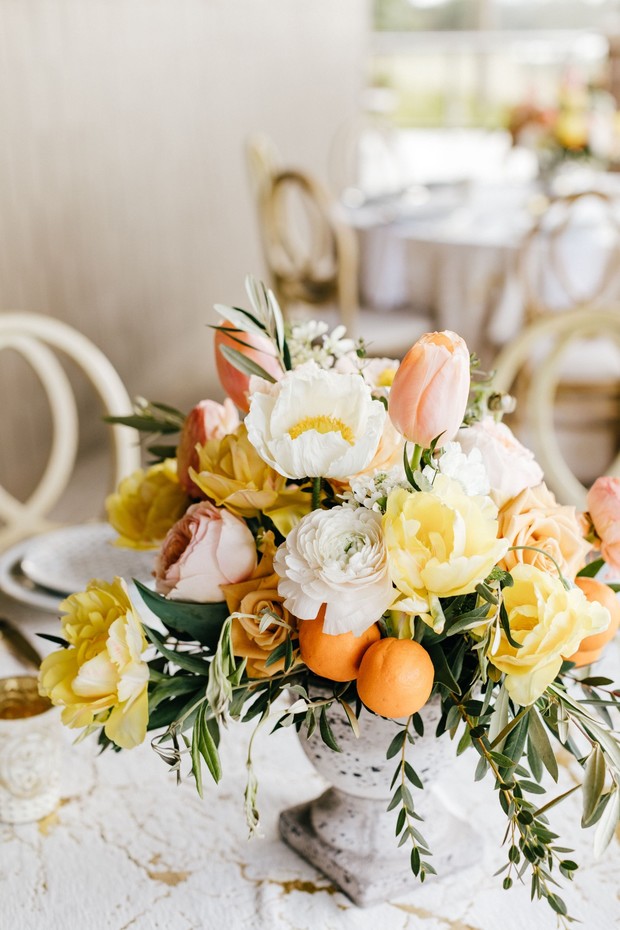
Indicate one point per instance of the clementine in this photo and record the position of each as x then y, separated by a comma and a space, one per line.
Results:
335, 657
395, 677
591, 647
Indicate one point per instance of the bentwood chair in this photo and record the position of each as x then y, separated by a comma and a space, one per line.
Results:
37, 339
312, 259
543, 347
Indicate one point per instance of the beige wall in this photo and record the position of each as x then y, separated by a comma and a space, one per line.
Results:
124, 204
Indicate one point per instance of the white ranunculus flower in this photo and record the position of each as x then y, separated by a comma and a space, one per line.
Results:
336, 557
315, 423
511, 467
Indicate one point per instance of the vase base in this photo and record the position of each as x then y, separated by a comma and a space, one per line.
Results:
364, 879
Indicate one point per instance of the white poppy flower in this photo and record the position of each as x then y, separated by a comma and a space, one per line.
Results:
338, 558
315, 423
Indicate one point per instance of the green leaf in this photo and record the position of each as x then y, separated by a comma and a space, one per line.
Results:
505, 622
539, 739
206, 744
195, 754
395, 798
481, 769
400, 821
240, 319
353, 721
606, 826
593, 783
443, 672
326, 731
591, 569
203, 622
397, 744
183, 659
413, 776
171, 687
245, 364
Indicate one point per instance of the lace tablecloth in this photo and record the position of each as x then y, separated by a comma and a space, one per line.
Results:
127, 848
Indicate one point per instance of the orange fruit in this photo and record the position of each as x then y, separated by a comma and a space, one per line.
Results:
396, 677
335, 657
591, 647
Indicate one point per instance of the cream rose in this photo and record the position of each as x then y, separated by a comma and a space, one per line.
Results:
315, 423
509, 465
550, 623
336, 557
205, 549
534, 518
101, 677
440, 543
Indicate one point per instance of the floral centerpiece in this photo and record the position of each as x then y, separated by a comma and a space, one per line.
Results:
374, 528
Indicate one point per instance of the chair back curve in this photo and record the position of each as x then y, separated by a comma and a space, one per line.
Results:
37, 339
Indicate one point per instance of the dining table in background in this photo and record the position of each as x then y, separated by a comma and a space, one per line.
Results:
453, 248
129, 849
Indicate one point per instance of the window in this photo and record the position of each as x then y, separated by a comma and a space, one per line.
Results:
466, 62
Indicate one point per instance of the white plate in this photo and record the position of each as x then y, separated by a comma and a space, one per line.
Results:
65, 560
18, 586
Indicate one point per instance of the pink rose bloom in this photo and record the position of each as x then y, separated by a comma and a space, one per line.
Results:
510, 466
603, 502
207, 420
429, 393
206, 548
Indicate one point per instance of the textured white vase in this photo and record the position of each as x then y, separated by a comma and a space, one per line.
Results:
348, 833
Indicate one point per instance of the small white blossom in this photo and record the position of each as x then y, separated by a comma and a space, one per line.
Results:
371, 491
467, 468
311, 341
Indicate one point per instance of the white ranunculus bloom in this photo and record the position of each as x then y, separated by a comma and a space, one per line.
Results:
336, 557
315, 423
511, 467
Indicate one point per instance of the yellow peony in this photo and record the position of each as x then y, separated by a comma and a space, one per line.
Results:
146, 505
549, 622
100, 678
440, 543
231, 472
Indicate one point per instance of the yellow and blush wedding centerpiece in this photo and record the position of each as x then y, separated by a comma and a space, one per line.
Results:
351, 545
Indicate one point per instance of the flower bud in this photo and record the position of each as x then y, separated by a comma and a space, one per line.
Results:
430, 390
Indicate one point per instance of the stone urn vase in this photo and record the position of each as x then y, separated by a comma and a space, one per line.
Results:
348, 833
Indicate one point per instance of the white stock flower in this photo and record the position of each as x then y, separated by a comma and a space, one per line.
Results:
315, 423
310, 341
336, 557
372, 491
466, 467
511, 467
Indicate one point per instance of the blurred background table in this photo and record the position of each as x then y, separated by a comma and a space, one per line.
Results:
127, 848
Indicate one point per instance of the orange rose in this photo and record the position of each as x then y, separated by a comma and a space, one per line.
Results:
429, 393
254, 598
534, 518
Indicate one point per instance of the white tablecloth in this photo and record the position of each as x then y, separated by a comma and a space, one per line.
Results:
127, 848
457, 255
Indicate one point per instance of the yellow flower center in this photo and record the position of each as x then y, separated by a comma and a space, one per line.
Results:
323, 424
386, 377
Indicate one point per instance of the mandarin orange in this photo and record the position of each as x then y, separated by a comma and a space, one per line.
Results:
591, 647
395, 677
335, 657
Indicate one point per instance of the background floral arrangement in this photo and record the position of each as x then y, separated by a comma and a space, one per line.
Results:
373, 527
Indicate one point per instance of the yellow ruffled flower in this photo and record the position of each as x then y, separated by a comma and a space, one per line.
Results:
100, 679
440, 543
549, 622
146, 505
232, 473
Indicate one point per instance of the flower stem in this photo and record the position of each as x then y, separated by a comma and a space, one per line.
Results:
316, 493
416, 455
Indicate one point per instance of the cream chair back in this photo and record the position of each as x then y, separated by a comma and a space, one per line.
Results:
549, 341
37, 339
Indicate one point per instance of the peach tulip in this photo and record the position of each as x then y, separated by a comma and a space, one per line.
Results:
603, 503
207, 420
257, 348
430, 390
